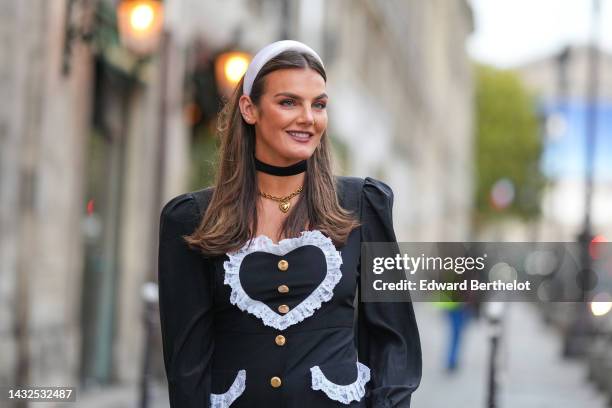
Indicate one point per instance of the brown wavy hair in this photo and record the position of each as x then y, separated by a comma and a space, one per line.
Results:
231, 217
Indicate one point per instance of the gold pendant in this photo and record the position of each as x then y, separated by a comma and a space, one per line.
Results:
284, 206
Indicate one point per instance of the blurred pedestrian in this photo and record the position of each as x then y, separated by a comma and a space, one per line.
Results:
459, 308
458, 315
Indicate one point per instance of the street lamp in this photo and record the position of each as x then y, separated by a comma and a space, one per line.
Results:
229, 69
141, 29
581, 328
140, 25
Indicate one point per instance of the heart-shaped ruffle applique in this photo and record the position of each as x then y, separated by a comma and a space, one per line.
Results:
322, 293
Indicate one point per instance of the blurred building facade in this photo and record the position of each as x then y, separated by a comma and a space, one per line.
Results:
80, 137
89, 154
43, 120
402, 91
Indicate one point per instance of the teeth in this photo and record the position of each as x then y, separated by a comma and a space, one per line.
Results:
299, 134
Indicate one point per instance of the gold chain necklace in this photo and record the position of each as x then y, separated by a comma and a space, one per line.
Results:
283, 202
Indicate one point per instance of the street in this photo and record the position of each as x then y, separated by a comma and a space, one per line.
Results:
533, 375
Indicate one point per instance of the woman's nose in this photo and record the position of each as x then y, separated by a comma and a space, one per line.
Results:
306, 117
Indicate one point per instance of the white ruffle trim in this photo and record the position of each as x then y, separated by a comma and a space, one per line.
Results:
227, 398
341, 393
307, 307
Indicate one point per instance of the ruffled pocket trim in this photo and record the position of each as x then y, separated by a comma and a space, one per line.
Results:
341, 393
227, 398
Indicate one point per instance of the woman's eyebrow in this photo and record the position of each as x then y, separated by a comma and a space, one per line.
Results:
294, 96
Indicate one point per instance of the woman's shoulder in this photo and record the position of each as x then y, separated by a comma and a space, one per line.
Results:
377, 189
203, 197
368, 187
188, 206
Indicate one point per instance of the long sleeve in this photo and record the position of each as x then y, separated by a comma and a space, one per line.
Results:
387, 333
185, 306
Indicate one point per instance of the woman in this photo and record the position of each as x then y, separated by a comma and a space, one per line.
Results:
258, 275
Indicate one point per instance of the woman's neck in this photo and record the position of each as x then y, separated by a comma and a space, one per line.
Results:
279, 186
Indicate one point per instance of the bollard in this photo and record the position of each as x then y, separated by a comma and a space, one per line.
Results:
150, 295
494, 312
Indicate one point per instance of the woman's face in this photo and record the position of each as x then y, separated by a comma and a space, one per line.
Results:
291, 116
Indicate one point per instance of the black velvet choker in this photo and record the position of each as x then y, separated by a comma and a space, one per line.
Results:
292, 170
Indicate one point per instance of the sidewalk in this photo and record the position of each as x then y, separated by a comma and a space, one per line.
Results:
533, 374
115, 397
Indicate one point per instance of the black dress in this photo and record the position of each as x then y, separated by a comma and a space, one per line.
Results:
278, 325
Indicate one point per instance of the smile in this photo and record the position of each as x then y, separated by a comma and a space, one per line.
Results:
300, 136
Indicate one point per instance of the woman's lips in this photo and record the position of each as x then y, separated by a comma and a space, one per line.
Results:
302, 137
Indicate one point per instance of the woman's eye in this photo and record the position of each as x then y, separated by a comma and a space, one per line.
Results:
320, 105
287, 102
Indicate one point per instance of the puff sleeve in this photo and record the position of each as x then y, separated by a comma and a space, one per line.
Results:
387, 334
185, 306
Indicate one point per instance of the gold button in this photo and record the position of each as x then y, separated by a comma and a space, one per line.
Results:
283, 289
283, 309
283, 265
275, 382
280, 340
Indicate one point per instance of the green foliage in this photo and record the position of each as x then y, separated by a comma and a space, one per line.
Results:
203, 158
508, 143
340, 153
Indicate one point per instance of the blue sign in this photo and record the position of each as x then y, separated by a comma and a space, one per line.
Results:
565, 140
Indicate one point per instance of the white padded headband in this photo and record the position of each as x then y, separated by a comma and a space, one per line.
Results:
267, 53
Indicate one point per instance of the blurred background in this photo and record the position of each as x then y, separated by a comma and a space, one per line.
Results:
490, 119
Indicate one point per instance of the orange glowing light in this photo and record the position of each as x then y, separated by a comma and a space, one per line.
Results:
142, 17
230, 67
140, 24
235, 67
